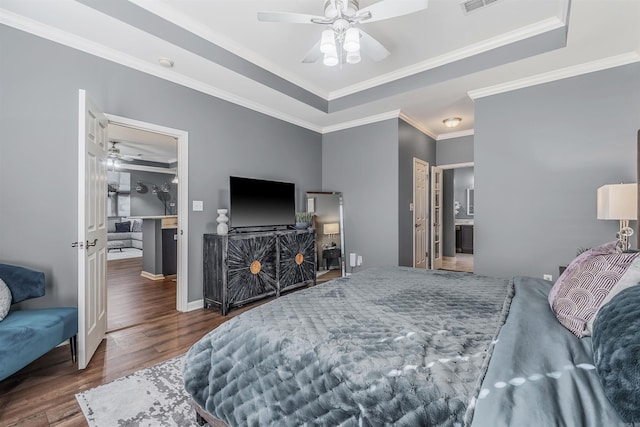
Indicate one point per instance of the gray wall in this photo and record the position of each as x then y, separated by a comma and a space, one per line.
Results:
411, 143
463, 178
149, 203
38, 121
362, 163
454, 150
540, 155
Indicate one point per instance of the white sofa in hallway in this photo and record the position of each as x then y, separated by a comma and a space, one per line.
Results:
124, 233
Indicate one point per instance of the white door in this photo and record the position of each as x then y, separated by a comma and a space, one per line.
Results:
92, 229
420, 222
436, 218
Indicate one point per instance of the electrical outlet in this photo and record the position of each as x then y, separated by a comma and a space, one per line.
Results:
359, 263
352, 259
548, 277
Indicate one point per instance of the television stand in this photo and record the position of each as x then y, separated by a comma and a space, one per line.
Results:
243, 267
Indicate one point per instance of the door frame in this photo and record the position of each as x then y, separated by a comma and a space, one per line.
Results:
182, 291
427, 213
457, 166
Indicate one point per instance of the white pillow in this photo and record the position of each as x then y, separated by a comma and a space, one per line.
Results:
5, 299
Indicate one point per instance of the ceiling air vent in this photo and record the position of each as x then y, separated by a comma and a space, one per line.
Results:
469, 6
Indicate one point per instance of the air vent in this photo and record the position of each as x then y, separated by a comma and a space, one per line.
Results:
469, 6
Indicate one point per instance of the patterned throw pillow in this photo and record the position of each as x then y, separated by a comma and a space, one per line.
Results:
630, 278
582, 290
5, 299
607, 248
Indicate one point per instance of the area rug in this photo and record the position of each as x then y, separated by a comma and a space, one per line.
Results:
154, 396
124, 254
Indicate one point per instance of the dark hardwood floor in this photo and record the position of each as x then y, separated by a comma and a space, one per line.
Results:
144, 329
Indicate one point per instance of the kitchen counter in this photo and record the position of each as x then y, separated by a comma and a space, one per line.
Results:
463, 221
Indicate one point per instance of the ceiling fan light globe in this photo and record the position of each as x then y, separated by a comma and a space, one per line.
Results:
353, 57
327, 41
330, 59
352, 40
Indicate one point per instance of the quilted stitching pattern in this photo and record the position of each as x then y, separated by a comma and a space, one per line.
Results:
385, 346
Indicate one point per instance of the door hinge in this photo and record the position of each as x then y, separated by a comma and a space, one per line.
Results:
79, 245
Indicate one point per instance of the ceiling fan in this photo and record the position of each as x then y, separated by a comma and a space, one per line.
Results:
343, 40
114, 157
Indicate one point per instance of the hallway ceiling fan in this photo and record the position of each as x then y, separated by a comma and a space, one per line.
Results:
343, 40
114, 157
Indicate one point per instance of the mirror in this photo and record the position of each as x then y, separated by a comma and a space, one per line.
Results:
329, 224
470, 201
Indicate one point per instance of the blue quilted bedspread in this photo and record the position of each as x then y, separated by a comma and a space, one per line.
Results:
384, 346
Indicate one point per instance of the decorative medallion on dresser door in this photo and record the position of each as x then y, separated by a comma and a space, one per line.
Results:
244, 267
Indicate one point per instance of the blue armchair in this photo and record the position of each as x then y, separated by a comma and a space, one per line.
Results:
25, 335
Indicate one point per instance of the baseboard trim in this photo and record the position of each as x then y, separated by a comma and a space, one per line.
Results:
195, 305
151, 276
448, 258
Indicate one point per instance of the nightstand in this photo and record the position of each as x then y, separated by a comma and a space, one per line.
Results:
332, 257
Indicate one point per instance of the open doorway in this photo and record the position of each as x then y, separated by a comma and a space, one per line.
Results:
458, 217
146, 209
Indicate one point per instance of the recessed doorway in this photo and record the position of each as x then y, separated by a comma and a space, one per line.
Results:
146, 186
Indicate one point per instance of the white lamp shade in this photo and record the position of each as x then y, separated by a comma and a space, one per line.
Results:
332, 228
352, 40
330, 59
618, 201
327, 41
353, 57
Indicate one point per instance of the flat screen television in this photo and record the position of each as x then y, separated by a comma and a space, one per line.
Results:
260, 203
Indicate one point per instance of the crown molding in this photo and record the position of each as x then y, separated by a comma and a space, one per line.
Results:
562, 73
393, 114
174, 16
64, 38
523, 33
457, 134
413, 122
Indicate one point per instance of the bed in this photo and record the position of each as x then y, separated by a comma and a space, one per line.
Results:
399, 346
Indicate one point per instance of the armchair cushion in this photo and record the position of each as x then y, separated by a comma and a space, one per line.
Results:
25, 335
23, 283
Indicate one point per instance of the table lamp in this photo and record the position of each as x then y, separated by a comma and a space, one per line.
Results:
619, 201
331, 229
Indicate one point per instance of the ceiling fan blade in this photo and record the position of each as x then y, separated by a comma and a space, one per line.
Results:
314, 54
372, 47
292, 18
386, 9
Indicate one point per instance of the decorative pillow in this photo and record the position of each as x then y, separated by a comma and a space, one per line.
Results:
616, 352
5, 299
23, 282
136, 226
607, 248
584, 286
630, 278
123, 227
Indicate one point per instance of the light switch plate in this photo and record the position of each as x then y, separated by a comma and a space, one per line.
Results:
198, 205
